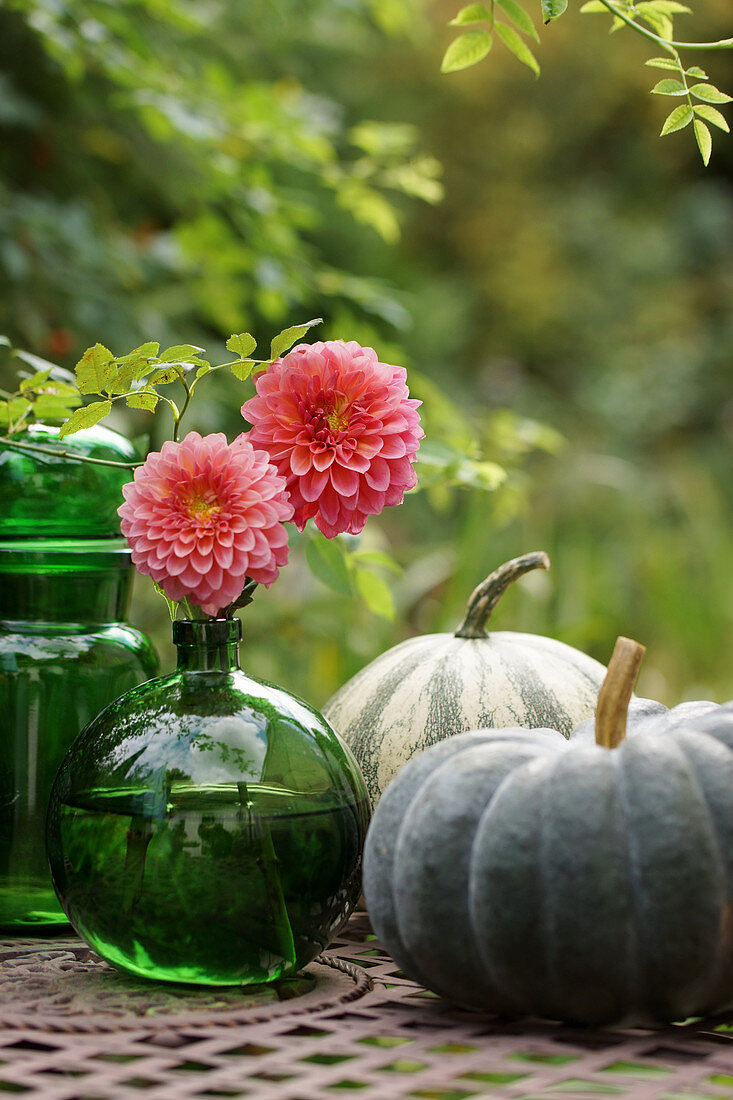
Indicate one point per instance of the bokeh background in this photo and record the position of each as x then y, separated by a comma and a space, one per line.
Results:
556, 278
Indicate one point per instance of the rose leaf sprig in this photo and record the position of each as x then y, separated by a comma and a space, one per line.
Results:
652, 19
49, 393
135, 378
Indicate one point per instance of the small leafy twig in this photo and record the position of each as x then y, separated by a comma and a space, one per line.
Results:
56, 452
474, 45
659, 13
135, 378
652, 19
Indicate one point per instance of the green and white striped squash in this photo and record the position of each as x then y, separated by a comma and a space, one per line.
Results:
437, 685
589, 881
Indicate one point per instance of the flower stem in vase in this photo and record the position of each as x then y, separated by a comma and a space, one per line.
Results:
139, 835
268, 864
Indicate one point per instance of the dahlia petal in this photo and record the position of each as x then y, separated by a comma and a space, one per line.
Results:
355, 461
378, 475
329, 505
393, 446
173, 566
313, 483
369, 446
344, 480
300, 461
322, 459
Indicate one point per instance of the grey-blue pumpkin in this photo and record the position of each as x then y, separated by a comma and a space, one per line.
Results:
437, 685
520, 873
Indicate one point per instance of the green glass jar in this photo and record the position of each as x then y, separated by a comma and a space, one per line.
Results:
208, 827
46, 495
65, 649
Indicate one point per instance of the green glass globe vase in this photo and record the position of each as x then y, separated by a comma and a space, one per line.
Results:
207, 827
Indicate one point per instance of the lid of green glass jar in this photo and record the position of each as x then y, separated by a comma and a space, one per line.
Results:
51, 496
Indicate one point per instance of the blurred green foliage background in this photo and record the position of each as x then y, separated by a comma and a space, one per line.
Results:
557, 280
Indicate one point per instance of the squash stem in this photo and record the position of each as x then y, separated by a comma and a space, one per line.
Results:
615, 694
486, 596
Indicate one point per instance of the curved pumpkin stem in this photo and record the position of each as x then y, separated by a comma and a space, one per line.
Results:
486, 596
615, 693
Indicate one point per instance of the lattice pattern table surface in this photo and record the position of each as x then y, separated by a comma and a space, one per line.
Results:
341, 1034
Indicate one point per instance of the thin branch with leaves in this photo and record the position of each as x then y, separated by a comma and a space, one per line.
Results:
652, 19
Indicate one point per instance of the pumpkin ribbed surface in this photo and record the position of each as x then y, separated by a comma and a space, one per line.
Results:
435, 686
519, 873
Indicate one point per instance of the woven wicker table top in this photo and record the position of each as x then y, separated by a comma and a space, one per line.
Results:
73, 1029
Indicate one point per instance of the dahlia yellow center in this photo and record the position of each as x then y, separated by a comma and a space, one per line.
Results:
338, 419
203, 506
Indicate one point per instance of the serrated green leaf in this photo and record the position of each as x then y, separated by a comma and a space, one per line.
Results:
135, 365
96, 371
517, 46
327, 560
704, 141
669, 87
553, 9
206, 369
519, 17
659, 23
375, 593
35, 380
289, 336
11, 410
473, 13
465, 51
594, 7
241, 344
165, 375
708, 93
148, 350
126, 375
243, 369
86, 417
677, 120
697, 72
663, 63
142, 400
57, 388
666, 7
50, 406
182, 353
713, 115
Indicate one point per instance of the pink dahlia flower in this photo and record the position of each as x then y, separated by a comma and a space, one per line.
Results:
342, 430
201, 515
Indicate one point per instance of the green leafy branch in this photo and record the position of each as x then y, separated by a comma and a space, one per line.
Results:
48, 393
652, 19
134, 378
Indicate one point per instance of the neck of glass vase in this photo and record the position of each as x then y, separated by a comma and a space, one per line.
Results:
207, 645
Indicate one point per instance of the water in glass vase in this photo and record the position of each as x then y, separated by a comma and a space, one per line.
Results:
147, 879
